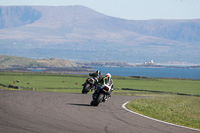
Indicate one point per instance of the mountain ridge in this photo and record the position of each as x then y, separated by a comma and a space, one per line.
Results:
65, 30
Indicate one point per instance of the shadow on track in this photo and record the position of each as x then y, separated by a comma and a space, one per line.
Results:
80, 104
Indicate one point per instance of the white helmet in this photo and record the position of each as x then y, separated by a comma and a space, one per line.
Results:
108, 75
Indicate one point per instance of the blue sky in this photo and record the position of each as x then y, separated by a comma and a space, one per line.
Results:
128, 9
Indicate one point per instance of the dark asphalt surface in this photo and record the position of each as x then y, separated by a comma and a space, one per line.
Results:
47, 112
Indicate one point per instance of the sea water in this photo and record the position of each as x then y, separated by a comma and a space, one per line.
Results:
152, 72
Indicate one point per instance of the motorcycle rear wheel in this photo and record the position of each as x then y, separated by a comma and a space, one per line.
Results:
86, 89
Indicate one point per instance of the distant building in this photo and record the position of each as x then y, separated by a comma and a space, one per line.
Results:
149, 63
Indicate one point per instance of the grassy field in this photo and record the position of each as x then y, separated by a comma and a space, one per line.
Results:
181, 110
163, 103
42, 81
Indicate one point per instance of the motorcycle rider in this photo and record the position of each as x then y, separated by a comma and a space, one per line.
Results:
107, 80
96, 75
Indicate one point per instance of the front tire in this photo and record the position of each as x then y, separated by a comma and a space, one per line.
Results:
97, 100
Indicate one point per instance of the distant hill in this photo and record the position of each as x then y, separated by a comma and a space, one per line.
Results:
80, 33
20, 62
53, 65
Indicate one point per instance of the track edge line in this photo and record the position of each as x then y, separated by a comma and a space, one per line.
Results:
124, 106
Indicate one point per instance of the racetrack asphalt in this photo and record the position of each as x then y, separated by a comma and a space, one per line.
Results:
49, 112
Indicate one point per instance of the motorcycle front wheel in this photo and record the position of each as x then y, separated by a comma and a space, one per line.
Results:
99, 99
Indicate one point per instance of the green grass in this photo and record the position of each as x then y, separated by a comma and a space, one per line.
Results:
181, 110
43, 81
46, 82
166, 106
164, 85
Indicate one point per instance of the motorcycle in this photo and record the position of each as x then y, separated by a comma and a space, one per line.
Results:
89, 85
100, 95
